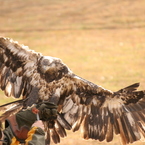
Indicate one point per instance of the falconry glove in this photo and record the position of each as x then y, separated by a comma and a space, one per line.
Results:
47, 111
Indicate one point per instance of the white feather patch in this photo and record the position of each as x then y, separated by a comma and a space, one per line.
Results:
57, 91
130, 119
8, 89
113, 103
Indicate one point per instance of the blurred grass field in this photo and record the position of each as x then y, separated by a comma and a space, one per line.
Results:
101, 41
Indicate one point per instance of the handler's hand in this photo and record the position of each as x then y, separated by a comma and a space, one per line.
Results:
38, 124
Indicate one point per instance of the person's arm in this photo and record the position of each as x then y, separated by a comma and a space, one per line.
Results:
20, 125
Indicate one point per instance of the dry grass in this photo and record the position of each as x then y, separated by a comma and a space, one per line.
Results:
101, 41
18, 15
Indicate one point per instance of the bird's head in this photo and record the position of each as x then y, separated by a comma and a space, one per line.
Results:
52, 68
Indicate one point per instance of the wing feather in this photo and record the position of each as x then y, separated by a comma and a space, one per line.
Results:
104, 128
48, 139
59, 129
54, 135
81, 114
71, 116
18, 71
108, 116
109, 133
123, 134
17, 87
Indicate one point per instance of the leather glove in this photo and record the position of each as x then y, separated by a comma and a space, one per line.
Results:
47, 111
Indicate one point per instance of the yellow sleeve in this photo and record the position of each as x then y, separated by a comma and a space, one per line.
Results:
35, 136
14, 141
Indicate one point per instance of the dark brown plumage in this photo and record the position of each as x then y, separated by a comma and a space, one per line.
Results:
101, 113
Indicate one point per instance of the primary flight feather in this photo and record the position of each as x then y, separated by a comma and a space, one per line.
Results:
99, 112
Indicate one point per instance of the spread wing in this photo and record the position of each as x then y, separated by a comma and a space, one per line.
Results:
99, 113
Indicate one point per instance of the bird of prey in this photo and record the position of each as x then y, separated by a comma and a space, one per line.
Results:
99, 113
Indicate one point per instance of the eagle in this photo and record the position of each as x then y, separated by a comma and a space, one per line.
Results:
99, 113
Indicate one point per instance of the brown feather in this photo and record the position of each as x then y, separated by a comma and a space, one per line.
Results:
123, 134
55, 137
47, 139
109, 133
59, 129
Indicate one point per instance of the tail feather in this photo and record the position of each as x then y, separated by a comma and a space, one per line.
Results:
59, 129
54, 136
47, 140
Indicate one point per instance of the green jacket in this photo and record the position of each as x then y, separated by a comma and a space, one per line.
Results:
18, 129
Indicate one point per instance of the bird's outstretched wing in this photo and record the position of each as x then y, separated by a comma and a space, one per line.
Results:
99, 112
